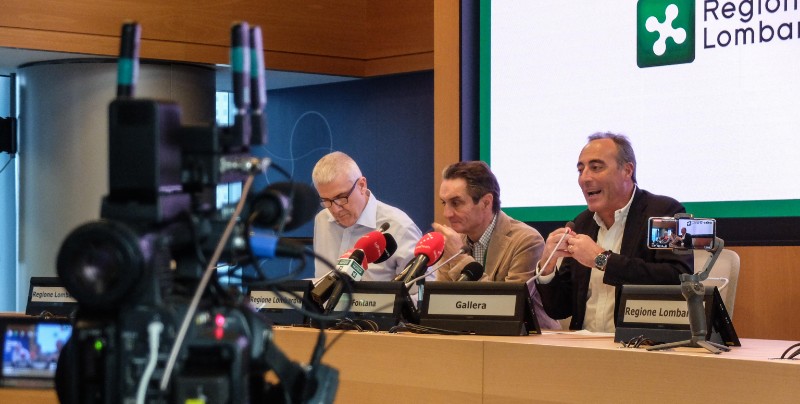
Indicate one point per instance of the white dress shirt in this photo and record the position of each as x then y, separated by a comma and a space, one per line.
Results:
331, 240
601, 298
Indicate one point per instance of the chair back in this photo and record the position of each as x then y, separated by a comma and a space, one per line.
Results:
724, 275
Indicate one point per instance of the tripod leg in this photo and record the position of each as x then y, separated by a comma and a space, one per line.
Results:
678, 344
713, 347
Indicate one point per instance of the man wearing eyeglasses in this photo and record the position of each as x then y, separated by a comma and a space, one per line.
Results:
351, 211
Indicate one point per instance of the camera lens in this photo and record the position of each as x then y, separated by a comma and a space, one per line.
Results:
99, 263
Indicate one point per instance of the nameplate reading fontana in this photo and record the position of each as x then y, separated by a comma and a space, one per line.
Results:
264, 299
51, 294
472, 305
656, 312
369, 303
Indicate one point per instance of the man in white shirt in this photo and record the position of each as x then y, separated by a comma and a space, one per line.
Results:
607, 247
351, 211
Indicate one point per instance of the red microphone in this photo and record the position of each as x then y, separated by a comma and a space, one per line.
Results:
428, 250
353, 263
373, 244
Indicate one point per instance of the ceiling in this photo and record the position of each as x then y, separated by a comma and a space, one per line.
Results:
12, 58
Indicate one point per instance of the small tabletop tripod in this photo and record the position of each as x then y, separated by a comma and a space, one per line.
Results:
693, 290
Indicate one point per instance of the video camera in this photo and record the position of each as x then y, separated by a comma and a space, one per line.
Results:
153, 324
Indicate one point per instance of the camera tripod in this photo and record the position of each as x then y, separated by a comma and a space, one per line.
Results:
693, 290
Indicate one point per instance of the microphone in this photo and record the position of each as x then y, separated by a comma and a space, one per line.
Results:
361, 259
373, 244
570, 225
287, 204
391, 247
471, 272
258, 88
353, 263
367, 249
240, 74
464, 250
391, 244
428, 250
266, 245
128, 62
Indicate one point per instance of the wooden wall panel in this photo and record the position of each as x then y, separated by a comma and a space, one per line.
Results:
446, 93
341, 37
399, 28
768, 294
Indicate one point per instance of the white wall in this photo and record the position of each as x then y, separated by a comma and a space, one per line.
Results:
63, 155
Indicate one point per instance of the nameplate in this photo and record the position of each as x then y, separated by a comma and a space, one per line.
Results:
656, 312
51, 294
265, 299
484, 308
660, 313
472, 305
369, 303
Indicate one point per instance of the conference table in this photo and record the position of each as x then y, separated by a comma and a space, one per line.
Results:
554, 367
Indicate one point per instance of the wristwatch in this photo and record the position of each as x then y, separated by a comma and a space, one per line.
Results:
601, 260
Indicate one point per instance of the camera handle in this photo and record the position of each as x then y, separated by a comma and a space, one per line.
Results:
693, 290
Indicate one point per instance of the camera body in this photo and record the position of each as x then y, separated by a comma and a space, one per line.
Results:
682, 232
134, 273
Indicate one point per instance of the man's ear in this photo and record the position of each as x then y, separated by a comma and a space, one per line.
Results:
487, 200
629, 169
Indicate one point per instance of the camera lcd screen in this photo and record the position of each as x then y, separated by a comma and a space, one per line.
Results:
697, 234
663, 231
681, 233
31, 349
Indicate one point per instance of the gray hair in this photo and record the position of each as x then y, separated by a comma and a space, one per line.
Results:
330, 166
624, 149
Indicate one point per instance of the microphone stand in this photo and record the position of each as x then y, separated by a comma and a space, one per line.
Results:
693, 290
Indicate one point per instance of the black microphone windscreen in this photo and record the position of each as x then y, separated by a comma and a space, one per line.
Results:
384, 227
391, 247
472, 271
293, 203
358, 256
570, 225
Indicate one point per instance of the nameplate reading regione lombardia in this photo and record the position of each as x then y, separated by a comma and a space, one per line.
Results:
51, 294
473, 305
369, 303
263, 299
656, 311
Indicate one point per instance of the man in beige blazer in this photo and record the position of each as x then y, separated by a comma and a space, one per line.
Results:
508, 249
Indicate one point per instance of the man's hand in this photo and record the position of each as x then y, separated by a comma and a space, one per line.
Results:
452, 238
550, 245
583, 249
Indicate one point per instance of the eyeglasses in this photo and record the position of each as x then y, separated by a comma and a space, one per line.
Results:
338, 201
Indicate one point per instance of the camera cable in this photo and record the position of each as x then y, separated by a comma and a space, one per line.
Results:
154, 330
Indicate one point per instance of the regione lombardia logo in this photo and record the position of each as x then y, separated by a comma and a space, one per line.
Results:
664, 32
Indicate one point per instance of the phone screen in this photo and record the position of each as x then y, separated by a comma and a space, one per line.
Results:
697, 234
662, 232
681, 233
